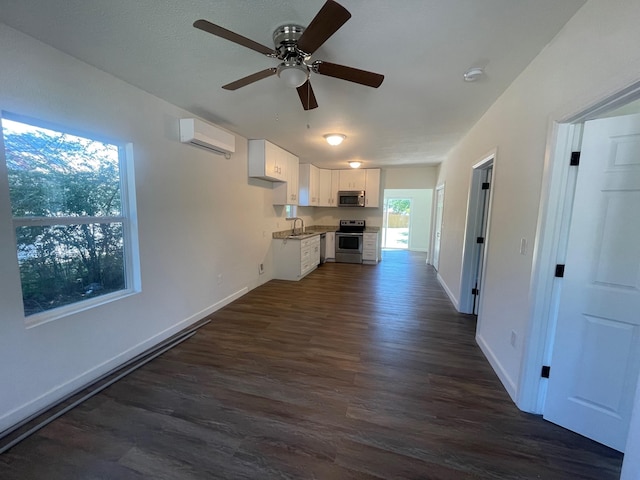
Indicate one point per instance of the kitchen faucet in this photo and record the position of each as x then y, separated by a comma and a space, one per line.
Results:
293, 231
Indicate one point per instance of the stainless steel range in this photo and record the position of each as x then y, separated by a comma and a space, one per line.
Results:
349, 241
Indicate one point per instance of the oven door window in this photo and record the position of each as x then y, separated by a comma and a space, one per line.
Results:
349, 243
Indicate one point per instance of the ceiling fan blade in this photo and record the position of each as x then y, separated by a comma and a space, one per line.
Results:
350, 74
326, 22
243, 82
232, 36
307, 97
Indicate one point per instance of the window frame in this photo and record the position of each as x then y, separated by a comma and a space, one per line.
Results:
291, 211
127, 217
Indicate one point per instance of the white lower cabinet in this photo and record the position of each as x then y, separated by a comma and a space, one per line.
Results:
330, 247
370, 248
293, 258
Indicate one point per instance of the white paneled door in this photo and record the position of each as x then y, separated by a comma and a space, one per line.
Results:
596, 353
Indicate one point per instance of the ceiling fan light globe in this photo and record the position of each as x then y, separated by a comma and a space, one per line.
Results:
293, 75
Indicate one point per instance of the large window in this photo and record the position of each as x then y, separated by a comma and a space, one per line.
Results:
68, 200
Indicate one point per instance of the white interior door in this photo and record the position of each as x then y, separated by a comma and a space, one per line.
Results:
596, 353
485, 196
438, 226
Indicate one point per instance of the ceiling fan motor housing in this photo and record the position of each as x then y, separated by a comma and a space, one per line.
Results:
286, 38
293, 68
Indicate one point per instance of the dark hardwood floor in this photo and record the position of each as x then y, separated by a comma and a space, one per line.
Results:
356, 372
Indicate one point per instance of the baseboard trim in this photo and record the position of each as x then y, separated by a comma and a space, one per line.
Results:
451, 296
54, 396
29, 426
504, 377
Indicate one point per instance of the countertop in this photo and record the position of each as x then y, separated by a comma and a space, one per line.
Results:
312, 231
308, 232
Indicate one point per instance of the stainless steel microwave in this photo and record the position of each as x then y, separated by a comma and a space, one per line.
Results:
351, 198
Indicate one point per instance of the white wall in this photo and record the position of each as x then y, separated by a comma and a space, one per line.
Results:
593, 57
199, 216
410, 177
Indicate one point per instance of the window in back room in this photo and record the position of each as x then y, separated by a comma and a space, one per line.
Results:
69, 207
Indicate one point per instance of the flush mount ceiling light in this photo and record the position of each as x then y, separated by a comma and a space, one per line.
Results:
473, 74
334, 139
293, 74
355, 164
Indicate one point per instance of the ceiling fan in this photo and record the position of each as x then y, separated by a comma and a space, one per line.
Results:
294, 46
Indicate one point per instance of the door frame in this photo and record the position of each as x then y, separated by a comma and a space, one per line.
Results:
475, 208
435, 227
554, 213
385, 219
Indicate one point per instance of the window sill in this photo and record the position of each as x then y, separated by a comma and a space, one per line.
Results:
74, 308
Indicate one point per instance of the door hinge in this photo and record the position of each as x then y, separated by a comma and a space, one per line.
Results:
575, 159
559, 271
546, 369
480, 240
486, 186
475, 291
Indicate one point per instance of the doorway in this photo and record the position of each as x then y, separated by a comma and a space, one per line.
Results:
594, 378
550, 285
396, 223
437, 230
476, 234
406, 219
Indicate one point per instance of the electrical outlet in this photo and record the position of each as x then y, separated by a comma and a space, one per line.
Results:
514, 338
261, 268
219, 279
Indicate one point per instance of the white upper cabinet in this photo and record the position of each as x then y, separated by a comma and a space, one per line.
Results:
293, 179
335, 187
329, 186
372, 188
286, 193
367, 179
267, 161
353, 179
309, 185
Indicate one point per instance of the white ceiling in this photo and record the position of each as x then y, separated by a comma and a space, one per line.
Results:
423, 47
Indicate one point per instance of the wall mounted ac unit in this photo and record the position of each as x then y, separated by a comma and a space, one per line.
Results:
208, 136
